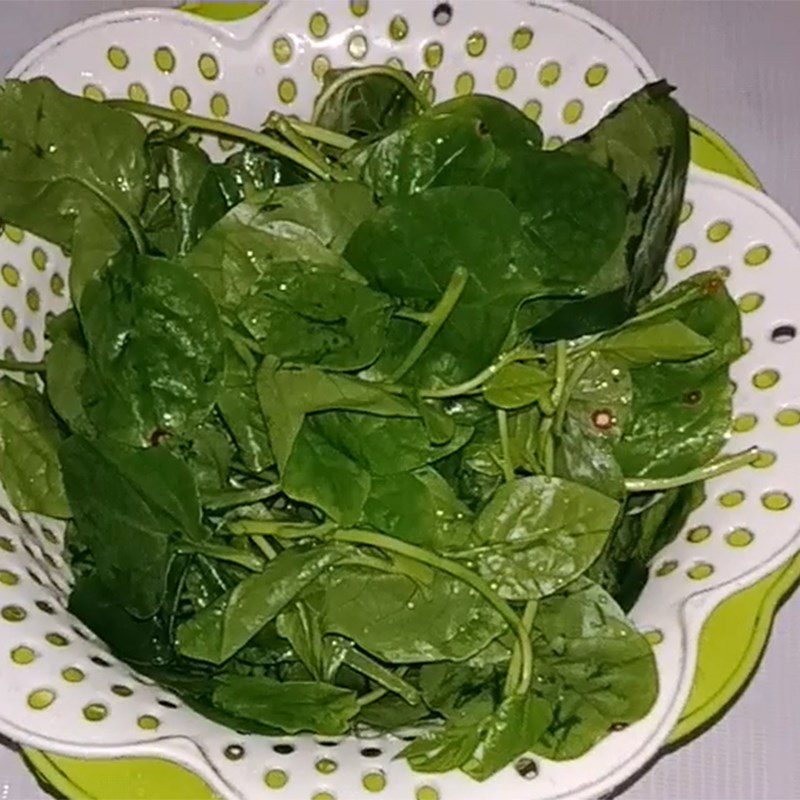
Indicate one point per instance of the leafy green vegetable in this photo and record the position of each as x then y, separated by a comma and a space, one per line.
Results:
419, 507
517, 385
155, 497
681, 411
290, 706
221, 628
367, 424
400, 621
239, 406
594, 669
303, 314
154, 340
80, 186
29, 442
410, 248
65, 366
537, 534
645, 143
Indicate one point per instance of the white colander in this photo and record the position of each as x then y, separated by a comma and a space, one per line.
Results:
61, 691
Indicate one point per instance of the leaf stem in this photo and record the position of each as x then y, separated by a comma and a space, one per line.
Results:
711, 470
505, 445
225, 129
322, 135
528, 615
9, 365
264, 546
284, 127
474, 383
561, 372
569, 387
354, 74
437, 318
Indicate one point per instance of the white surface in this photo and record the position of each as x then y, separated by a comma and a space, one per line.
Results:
751, 754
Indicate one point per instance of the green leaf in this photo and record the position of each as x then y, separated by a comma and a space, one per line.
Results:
65, 365
222, 628
29, 441
596, 415
670, 340
402, 622
155, 342
462, 694
292, 706
331, 210
681, 411
517, 385
645, 143
419, 507
392, 713
303, 314
441, 426
238, 403
594, 669
190, 203
154, 497
300, 625
70, 168
512, 730
252, 170
442, 750
410, 248
365, 105
648, 524
207, 452
235, 252
140, 641
537, 534
327, 459
377, 673
457, 142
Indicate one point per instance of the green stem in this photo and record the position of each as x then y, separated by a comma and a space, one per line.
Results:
474, 383
322, 135
439, 315
244, 558
237, 497
354, 74
264, 546
712, 470
225, 129
561, 372
569, 387
423, 317
279, 529
9, 365
282, 125
502, 424
528, 615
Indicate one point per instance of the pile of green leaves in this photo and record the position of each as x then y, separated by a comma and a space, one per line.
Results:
376, 423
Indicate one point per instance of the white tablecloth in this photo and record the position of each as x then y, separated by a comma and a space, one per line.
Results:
736, 65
